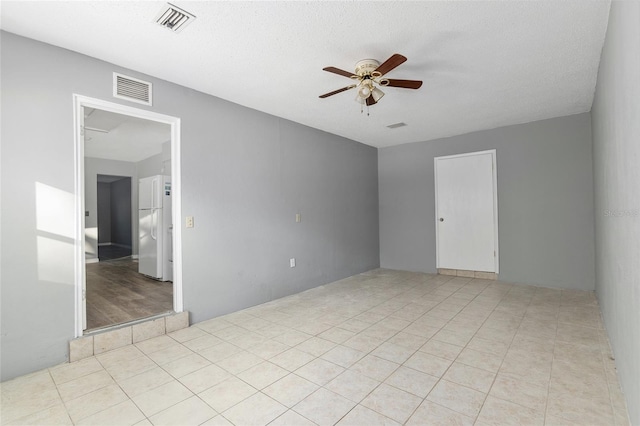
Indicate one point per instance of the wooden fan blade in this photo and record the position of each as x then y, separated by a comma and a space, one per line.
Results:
338, 71
406, 84
395, 60
326, 95
370, 101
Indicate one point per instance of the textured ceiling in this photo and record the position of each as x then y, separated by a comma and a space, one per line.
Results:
484, 64
119, 137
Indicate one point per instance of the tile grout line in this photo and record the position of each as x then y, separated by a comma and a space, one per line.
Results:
431, 338
381, 382
496, 374
357, 403
452, 361
64, 404
546, 402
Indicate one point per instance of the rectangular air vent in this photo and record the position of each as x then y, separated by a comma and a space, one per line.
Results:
396, 125
132, 89
174, 18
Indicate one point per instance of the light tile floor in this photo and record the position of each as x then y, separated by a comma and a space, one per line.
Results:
383, 347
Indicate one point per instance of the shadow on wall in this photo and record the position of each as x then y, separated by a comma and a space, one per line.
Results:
55, 233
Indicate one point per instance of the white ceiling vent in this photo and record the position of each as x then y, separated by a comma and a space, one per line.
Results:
174, 18
396, 125
132, 89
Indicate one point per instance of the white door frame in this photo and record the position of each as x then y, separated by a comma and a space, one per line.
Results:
80, 102
495, 201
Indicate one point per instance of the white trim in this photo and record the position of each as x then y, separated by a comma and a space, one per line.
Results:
495, 209
104, 244
92, 260
79, 212
134, 256
80, 102
435, 193
176, 208
492, 152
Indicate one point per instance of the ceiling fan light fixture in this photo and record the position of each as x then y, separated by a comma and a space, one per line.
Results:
364, 91
377, 94
370, 76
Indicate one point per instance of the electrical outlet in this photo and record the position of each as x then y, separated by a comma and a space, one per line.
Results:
292, 262
189, 222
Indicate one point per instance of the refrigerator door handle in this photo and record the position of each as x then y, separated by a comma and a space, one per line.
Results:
154, 192
154, 224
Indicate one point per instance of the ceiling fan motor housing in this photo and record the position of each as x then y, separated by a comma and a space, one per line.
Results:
366, 67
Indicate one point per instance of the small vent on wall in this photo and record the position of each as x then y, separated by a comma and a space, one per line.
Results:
174, 18
396, 125
132, 89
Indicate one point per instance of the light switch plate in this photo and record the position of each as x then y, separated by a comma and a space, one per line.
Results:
298, 217
292, 262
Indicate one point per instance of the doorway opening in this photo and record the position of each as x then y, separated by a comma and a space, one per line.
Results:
118, 148
115, 237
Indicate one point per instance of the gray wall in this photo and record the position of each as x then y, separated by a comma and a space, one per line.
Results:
121, 212
545, 201
245, 175
166, 158
114, 212
99, 166
616, 141
104, 212
247, 209
159, 164
151, 166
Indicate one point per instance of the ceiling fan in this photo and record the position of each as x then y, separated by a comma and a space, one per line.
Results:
369, 74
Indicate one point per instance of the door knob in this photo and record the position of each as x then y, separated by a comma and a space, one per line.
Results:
441, 219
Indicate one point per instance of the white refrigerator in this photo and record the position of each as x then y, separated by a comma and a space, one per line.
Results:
155, 251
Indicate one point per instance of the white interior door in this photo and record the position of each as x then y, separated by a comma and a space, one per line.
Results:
466, 212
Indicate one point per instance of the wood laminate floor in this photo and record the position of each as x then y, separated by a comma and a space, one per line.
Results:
117, 293
113, 252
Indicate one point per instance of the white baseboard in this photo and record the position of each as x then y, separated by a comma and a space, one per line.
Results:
91, 260
134, 256
114, 244
121, 245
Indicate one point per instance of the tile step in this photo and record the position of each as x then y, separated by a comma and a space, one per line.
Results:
118, 336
